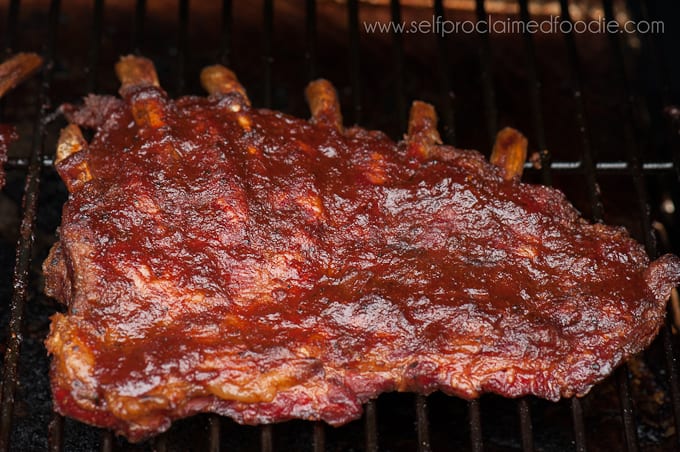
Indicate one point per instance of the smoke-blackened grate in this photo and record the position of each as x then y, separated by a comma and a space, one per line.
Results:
549, 85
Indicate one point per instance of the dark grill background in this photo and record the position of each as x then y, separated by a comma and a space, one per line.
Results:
598, 103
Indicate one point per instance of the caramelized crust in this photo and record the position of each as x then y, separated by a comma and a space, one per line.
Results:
264, 267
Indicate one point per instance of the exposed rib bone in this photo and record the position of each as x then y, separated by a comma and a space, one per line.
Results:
422, 133
71, 140
148, 112
510, 152
70, 162
219, 80
323, 103
136, 71
16, 69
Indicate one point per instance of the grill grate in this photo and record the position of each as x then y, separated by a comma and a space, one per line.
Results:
27, 228
586, 166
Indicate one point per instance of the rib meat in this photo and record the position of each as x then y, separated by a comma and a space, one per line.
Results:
219, 258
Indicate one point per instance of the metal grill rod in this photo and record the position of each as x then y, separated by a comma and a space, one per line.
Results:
546, 166
579, 426
370, 421
182, 37
633, 146
673, 118
370, 427
523, 408
568, 167
8, 38
161, 442
56, 425
422, 424
138, 27
596, 203
266, 440
398, 58
310, 29
486, 77
653, 62
474, 417
106, 441
656, 78
445, 93
354, 59
564, 166
95, 45
214, 433
583, 128
475, 421
635, 154
627, 414
225, 42
671, 362
672, 369
26, 238
319, 441
12, 20
267, 56
526, 429
55, 433
535, 96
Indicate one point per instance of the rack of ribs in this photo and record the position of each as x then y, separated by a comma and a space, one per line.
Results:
215, 257
13, 71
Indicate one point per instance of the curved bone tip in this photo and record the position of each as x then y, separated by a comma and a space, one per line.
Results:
422, 128
321, 92
132, 70
421, 116
323, 103
422, 106
17, 68
30, 59
318, 86
71, 140
70, 162
220, 80
510, 152
24, 62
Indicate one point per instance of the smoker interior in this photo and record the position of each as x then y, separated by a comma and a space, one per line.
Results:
596, 109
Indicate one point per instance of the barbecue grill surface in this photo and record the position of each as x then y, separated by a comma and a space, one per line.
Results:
599, 112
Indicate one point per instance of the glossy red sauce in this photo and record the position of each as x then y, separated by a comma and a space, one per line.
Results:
257, 236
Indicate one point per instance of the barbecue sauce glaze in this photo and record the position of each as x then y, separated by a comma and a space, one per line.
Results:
242, 261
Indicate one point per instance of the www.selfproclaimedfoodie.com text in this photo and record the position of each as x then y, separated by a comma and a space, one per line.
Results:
551, 25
